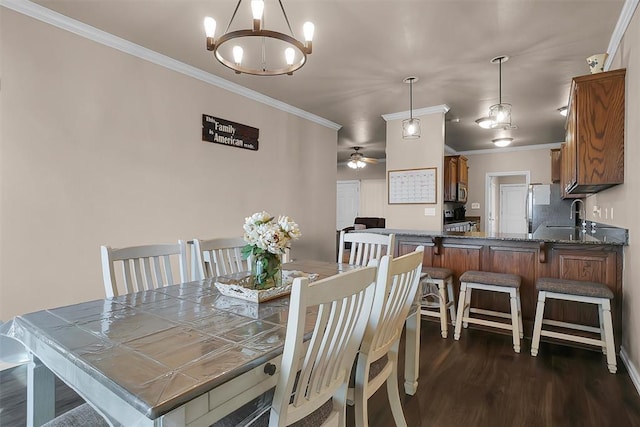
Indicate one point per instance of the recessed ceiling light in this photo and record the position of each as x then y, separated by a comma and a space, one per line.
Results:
502, 142
563, 110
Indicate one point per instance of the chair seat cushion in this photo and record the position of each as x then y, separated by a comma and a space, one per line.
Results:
488, 278
574, 287
375, 368
436, 273
83, 415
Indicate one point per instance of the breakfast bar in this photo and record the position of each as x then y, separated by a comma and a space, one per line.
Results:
551, 251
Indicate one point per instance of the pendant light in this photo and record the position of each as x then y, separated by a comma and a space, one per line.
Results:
410, 126
499, 114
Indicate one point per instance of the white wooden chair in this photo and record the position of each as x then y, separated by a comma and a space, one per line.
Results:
365, 247
397, 283
318, 373
216, 257
143, 267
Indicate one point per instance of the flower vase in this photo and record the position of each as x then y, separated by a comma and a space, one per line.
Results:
266, 271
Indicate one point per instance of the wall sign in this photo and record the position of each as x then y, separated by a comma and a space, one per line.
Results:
412, 186
221, 131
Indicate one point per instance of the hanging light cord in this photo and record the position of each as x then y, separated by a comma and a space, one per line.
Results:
500, 80
411, 99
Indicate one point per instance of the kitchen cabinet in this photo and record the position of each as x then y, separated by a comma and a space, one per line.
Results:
455, 172
565, 167
594, 146
556, 164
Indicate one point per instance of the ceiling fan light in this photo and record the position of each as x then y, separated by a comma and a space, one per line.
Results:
502, 142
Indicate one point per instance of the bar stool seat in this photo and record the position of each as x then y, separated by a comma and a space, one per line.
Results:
493, 282
443, 278
578, 291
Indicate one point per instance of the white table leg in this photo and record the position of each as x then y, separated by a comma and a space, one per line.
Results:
41, 396
412, 353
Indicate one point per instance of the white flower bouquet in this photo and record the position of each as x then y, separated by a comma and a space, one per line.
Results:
267, 239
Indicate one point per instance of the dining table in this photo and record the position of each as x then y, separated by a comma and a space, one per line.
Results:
181, 355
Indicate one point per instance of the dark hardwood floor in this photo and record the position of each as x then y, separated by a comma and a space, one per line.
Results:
475, 382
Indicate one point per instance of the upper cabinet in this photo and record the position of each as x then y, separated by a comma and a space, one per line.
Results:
455, 172
593, 156
556, 164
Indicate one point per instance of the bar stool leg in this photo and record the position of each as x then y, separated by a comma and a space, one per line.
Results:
467, 306
451, 301
461, 303
608, 332
515, 321
602, 334
537, 326
444, 328
520, 313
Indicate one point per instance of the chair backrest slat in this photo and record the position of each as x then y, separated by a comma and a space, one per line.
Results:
365, 247
143, 267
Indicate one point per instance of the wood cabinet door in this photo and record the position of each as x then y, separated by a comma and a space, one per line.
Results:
570, 147
463, 170
450, 178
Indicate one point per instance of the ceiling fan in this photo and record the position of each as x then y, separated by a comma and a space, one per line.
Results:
358, 160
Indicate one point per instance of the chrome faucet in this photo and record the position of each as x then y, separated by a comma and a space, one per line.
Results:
581, 214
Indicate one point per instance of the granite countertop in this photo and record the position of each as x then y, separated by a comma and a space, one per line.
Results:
604, 235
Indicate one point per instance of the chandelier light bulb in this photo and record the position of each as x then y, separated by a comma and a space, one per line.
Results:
209, 26
257, 8
237, 54
308, 28
289, 54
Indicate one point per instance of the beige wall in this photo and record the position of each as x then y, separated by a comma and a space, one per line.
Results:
99, 147
424, 152
624, 199
537, 161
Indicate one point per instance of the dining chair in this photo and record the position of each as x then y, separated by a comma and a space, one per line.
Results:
365, 247
314, 373
143, 267
80, 416
216, 257
397, 283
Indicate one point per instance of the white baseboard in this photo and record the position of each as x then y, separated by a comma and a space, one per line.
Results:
633, 372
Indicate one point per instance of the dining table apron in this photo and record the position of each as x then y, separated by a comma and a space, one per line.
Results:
181, 355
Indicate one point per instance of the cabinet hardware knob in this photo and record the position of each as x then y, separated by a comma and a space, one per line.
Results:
270, 369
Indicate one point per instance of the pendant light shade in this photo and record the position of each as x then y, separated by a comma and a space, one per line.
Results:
410, 126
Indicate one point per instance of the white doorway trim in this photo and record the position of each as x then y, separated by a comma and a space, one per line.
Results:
488, 190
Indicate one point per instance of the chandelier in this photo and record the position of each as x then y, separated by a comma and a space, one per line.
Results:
500, 113
410, 126
270, 52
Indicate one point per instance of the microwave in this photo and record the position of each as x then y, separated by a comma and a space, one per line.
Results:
462, 193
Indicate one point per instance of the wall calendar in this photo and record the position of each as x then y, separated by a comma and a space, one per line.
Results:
413, 186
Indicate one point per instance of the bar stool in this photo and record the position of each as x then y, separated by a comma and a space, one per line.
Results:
494, 282
442, 277
579, 291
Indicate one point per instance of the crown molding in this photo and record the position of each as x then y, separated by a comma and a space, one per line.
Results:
550, 146
81, 29
628, 9
443, 108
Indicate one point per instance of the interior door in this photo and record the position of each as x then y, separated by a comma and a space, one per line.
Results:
512, 208
348, 202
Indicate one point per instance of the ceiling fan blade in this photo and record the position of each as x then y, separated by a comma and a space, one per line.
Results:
369, 160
